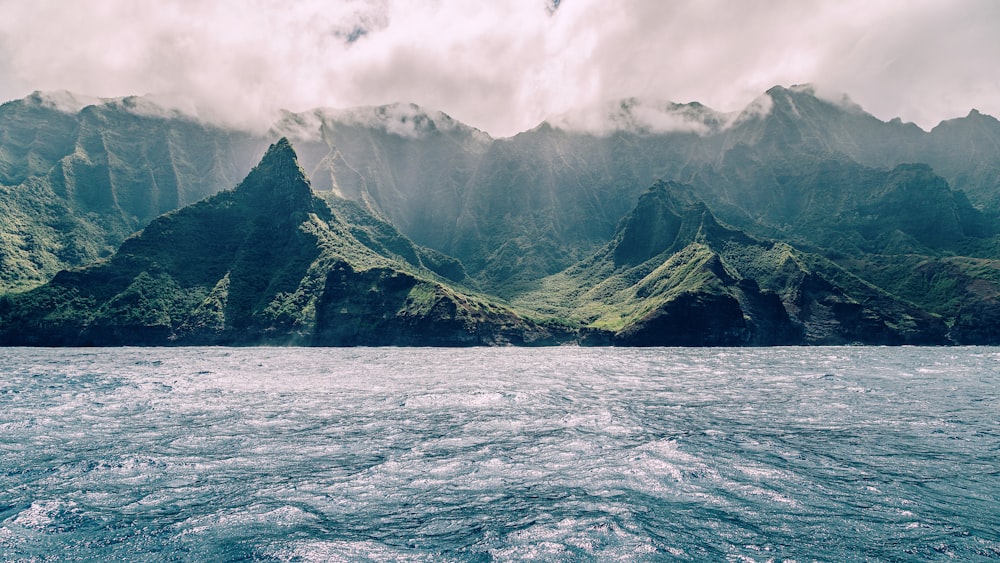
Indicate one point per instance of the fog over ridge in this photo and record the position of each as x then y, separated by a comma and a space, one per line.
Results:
504, 66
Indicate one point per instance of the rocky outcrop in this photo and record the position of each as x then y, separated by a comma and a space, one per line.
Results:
715, 310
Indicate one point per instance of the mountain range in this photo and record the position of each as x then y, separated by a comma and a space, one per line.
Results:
799, 220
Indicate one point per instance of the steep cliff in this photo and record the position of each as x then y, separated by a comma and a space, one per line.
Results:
265, 263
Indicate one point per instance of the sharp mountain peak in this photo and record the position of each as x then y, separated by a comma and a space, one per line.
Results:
278, 180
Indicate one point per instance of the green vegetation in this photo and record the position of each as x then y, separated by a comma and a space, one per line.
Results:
74, 186
267, 262
812, 224
722, 284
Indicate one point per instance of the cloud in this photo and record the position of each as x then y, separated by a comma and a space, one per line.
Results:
65, 101
403, 120
643, 117
504, 65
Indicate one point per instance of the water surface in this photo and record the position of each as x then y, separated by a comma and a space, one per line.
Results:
555, 454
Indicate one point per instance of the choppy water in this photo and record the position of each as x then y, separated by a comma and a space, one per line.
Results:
555, 454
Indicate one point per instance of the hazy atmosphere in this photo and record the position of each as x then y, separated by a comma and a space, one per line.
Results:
503, 66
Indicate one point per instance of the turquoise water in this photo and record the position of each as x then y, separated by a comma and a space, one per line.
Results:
557, 454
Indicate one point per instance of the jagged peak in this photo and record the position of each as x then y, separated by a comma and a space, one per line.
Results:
63, 101
977, 116
666, 216
811, 94
676, 191
759, 108
148, 106
278, 177
972, 118
281, 156
898, 122
282, 148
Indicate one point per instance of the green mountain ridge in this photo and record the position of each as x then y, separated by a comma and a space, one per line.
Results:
874, 225
265, 263
673, 275
73, 186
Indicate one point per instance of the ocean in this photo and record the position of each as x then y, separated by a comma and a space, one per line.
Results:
500, 454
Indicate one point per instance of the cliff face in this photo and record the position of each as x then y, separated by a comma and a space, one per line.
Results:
705, 305
267, 262
75, 184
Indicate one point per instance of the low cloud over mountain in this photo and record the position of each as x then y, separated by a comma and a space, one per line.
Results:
502, 66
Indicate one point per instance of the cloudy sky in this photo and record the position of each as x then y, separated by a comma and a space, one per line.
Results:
504, 65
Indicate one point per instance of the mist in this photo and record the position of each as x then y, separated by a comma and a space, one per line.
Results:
503, 66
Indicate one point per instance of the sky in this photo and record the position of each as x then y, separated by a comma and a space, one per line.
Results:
504, 65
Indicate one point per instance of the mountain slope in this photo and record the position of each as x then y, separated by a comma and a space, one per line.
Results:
966, 151
74, 183
405, 163
510, 209
267, 262
962, 289
872, 224
793, 166
672, 275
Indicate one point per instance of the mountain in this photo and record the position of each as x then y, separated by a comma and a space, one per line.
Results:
966, 151
828, 174
77, 176
403, 162
963, 289
800, 121
823, 174
510, 209
75, 181
840, 205
674, 276
265, 263
881, 232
